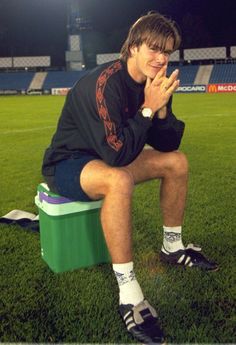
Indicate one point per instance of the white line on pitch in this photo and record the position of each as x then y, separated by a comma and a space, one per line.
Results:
13, 131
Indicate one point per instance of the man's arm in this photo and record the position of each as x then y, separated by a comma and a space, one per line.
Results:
165, 135
166, 131
116, 141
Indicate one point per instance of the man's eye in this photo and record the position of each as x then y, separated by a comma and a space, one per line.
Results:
156, 49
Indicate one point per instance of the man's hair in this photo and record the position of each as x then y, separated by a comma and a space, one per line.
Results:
153, 29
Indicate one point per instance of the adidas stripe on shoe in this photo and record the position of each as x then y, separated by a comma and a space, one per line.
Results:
142, 322
189, 257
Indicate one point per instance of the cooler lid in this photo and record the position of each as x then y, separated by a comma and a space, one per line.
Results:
56, 205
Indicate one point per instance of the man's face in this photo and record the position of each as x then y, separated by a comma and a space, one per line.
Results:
146, 60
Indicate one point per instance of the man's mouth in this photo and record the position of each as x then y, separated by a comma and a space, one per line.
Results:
156, 66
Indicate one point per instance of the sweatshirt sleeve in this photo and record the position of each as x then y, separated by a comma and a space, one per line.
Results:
165, 134
113, 135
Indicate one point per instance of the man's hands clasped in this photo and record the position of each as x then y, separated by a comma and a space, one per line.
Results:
158, 91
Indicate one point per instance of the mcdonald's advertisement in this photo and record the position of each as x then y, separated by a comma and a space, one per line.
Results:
210, 88
213, 88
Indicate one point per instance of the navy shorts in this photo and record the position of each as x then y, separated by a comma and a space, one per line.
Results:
67, 177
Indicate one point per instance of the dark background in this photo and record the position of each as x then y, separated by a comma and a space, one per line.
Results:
39, 27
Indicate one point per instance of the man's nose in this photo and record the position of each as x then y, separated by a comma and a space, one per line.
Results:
161, 57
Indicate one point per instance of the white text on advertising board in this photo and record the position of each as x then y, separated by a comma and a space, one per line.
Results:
227, 88
192, 88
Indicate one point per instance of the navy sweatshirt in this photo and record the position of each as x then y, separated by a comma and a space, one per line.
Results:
101, 118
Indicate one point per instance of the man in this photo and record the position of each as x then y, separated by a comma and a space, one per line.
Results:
98, 153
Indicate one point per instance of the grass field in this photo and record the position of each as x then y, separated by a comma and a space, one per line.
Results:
81, 306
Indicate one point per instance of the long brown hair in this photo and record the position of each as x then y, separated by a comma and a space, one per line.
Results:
153, 29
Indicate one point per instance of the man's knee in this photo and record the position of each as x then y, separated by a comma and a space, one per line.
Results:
120, 181
178, 163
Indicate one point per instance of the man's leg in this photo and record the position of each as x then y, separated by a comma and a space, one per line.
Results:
172, 169
116, 185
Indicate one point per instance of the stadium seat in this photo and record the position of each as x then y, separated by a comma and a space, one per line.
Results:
62, 79
187, 74
15, 80
225, 73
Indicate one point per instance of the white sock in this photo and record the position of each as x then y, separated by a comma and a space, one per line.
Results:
130, 290
172, 241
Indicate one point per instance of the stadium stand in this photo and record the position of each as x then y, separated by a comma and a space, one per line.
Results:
62, 79
187, 74
67, 79
225, 73
15, 81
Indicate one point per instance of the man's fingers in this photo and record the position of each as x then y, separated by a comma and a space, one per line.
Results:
174, 75
171, 79
148, 82
173, 87
157, 82
160, 74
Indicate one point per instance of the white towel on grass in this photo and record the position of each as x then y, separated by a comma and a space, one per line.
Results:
22, 218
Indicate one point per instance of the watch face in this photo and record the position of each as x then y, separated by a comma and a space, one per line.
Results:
147, 112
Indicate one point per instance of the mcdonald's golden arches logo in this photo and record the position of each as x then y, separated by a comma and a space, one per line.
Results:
212, 88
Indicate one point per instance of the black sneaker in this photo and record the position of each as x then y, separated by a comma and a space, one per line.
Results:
189, 257
141, 321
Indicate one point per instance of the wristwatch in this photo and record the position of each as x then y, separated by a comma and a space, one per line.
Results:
146, 112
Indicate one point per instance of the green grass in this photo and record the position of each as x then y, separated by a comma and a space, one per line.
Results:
195, 307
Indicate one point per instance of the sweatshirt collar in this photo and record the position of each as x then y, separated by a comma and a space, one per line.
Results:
130, 81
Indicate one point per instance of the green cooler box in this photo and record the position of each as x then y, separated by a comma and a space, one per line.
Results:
70, 232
